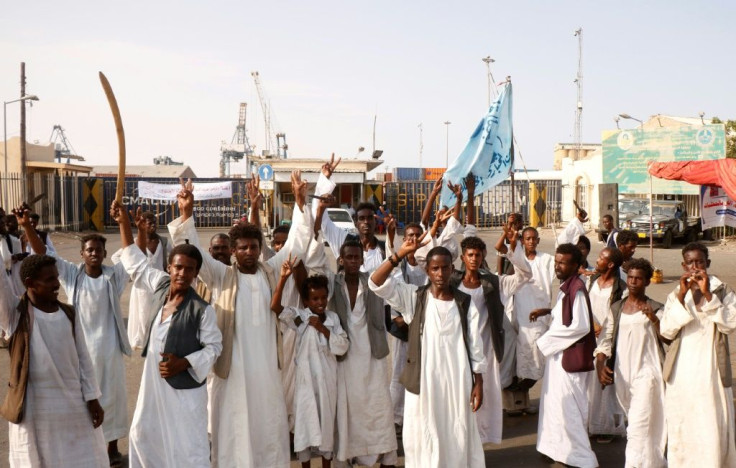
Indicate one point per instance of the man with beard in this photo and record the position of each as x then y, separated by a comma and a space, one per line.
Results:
568, 347
249, 418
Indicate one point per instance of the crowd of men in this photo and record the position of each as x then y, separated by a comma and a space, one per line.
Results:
254, 353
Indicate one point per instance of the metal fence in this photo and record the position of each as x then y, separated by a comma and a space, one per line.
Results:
59, 198
407, 199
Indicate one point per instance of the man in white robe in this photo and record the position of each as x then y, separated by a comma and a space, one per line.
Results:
169, 427
698, 316
94, 290
605, 417
365, 223
490, 293
55, 405
444, 373
563, 415
629, 356
249, 420
157, 250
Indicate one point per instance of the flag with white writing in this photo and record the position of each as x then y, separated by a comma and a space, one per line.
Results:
488, 155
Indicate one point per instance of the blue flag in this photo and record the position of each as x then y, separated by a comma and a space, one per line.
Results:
488, 153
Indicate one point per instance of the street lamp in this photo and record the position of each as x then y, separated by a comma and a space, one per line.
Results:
447, 144
30, 97
488, 61
627, 116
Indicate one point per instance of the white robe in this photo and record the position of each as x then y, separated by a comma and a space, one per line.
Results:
365, 422
639, 387
563, 413
699, 410
169, 427
416, 276
605, 415
56, 429
535, 294
139, 310
98, 323
440, 430
336, 236
13, 267
249, 424
315, 395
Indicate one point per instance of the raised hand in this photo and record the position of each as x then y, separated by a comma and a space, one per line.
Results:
437, 187
390, 222
118, 212
412, 244
253, 190
287, 268
23, 215
457, 190
185, 198
470, 184
299, 188
329, 168
138, 219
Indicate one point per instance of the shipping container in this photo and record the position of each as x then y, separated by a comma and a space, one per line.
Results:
434, 173
406, 200
388, 177
408, 173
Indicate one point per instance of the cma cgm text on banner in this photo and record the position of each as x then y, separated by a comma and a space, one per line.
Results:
716, 208
167, 192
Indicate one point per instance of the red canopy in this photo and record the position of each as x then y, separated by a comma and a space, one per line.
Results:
720, 172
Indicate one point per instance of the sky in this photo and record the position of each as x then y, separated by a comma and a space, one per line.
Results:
179, 70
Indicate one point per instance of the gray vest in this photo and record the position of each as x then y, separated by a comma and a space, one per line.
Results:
374, 310
492, 296
183, 336
411, 376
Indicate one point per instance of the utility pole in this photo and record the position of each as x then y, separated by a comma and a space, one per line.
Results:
23, 154
488, 61
421, 144
579, 103
447, 144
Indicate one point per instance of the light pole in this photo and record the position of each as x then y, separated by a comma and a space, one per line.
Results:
488, 61
31, 97
651, 208
447, 144
627, 116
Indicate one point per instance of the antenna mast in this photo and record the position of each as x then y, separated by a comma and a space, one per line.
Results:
579, 106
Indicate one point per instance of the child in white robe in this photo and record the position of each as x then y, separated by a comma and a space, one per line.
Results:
320, 338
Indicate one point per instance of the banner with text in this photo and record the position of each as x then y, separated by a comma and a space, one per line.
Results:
716, 208
627, 153
488, 153
167, 192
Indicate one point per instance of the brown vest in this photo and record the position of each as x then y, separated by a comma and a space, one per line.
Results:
20, 355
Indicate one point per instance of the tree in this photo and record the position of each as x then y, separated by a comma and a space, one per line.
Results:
730, 136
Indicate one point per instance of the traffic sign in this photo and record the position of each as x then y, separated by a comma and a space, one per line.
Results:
265, 172
266, 185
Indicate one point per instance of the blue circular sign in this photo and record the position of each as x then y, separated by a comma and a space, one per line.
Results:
265, 172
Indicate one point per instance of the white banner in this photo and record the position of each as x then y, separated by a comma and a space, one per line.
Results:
716, 208
167, 192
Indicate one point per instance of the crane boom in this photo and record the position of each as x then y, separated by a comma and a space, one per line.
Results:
266, 111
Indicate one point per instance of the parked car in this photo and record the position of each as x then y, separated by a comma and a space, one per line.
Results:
671, 222
628, 208
342, 219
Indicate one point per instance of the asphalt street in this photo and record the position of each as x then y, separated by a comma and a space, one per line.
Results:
518, 446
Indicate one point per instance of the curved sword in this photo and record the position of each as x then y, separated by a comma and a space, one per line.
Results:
121, 136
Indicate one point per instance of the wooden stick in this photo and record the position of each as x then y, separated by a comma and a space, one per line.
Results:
121, 136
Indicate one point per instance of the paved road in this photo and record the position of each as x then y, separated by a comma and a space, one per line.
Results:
518, 447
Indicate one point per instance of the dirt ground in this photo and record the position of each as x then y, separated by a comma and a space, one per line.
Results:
518, 447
